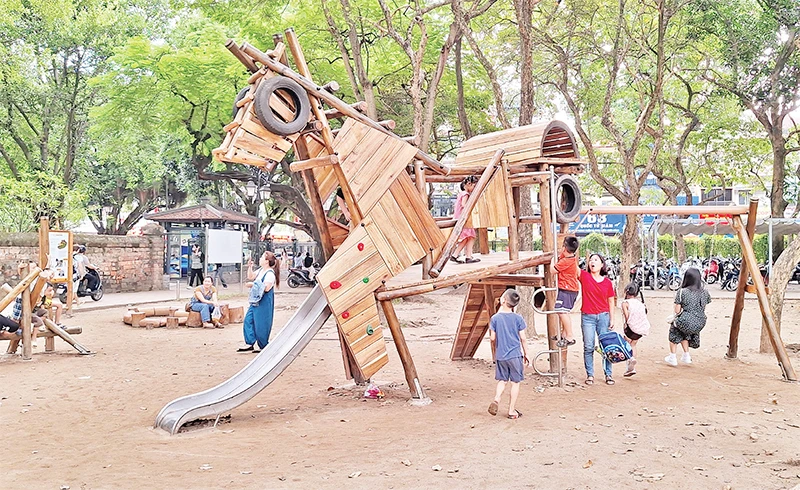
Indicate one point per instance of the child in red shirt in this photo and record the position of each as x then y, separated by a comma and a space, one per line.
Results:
596, 312
567, 270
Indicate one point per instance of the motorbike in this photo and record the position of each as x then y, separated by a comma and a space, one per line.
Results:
301, 277
674, 276
711, 270
80, 288
730, 276
796, 274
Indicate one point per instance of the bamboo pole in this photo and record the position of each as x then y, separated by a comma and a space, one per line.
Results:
21, 286
738, 304
315, 162
452, 240
429, 285
339, 104
513, 230
749, 257
247, 61
277, 39
412, 379
359, 106
327, 136
662, 210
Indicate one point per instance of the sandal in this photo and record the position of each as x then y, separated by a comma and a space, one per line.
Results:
572, 342
589, 380
493, 408
471, 260
455, 259
610, 380
515, 416
247, 348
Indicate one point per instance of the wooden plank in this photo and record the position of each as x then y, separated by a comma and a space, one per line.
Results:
415, 210
377, 180
393, 236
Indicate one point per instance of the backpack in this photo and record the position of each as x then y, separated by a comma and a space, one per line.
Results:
615, 347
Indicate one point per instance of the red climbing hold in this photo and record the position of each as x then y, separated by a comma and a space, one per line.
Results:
360, 247
335, 284
346, 315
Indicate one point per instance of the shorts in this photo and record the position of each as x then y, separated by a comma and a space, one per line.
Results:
509, 370
565, 300
631, 334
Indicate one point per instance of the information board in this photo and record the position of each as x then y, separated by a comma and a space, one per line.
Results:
59, 258
223, 247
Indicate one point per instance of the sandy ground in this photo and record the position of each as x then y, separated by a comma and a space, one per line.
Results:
86, 421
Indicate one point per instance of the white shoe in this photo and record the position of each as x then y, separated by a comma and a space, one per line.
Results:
686, 358
671, 359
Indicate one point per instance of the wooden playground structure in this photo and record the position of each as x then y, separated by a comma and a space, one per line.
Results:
383, 178
30, 276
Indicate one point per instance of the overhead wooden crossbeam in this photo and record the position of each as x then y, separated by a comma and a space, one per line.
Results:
665, 210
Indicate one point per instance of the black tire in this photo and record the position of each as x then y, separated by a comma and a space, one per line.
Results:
264, 113
733, 284
674, 283
569, 208
98, 295
653, 282
241, 95
294, 282
711, 279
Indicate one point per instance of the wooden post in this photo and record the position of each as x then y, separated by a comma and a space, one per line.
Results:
25, 321
513, 234
422, 187
549, 279
65, 336
738, 304
483, 240
20, 287
402, 350
315, 201
243, 58
452, 240
489, 298
749, 257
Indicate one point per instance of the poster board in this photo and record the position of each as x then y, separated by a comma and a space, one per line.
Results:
223, 247
59, 258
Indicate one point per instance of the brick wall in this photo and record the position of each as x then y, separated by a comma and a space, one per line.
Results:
127, 263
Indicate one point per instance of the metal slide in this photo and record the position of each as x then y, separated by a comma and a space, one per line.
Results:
257, 375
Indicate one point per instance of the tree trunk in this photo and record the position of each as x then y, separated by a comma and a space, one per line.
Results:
463, 120
524, 9
630, 248
526, 243
778, 280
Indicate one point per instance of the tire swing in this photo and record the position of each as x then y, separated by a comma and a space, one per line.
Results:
288, 89
568, 199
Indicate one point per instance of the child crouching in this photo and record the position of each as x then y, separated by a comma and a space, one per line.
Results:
507, 333
636, 323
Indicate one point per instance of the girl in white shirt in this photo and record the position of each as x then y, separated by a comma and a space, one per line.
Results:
636, 323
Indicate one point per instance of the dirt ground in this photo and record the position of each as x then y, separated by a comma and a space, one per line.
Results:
86, 421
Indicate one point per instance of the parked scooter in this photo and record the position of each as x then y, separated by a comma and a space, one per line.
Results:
301, 277
730, 275
80, 288
711, 270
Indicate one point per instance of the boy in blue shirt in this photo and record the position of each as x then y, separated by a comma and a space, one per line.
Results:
507, 332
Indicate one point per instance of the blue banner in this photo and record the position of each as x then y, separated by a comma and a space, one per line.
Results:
606, 224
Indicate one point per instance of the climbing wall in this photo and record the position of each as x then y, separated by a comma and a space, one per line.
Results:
474, 321
397, 231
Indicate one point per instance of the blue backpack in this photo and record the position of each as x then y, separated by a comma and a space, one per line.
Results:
615, 347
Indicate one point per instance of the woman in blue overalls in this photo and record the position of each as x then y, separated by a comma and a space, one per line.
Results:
258, 320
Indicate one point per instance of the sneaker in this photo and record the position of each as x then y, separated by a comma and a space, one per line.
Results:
631, 368
686, 358
671, 359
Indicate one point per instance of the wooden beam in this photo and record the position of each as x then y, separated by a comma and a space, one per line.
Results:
25, 320
545, 205
513, 231
300, 165
738, 303
429, 285
483, 240
749, 257
339, 104
452, 240
315, 201
489, 298
663, 210
56, 330
412, 380
533, 280
530, 219
327, 136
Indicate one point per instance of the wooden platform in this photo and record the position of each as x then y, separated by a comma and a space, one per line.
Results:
414, 273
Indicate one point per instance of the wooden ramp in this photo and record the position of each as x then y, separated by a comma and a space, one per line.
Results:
480, 304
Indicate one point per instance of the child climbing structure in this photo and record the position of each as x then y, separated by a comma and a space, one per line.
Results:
384, 182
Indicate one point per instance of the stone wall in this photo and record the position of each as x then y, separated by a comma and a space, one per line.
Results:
127, 263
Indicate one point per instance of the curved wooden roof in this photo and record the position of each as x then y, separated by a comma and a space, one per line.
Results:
523, 145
